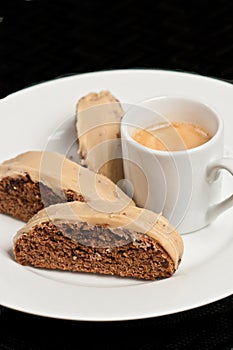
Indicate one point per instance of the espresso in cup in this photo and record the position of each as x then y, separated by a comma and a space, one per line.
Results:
184, 186
175, 136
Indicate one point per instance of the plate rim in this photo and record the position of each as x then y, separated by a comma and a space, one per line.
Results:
71, 76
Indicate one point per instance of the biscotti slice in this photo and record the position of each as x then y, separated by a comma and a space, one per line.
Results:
98, 118
36, 179
73, 236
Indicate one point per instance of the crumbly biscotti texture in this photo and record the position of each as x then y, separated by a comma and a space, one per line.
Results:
98, 118
93, 249
36, 179
73, 236
22, 198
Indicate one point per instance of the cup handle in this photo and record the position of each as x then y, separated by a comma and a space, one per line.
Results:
213, 172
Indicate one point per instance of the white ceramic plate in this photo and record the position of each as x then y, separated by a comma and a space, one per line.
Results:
41, 117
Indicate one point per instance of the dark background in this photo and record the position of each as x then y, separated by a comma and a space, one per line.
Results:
43, 40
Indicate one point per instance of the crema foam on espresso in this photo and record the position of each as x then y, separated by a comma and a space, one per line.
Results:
175, 136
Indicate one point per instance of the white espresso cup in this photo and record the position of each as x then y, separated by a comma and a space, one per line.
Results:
185, 186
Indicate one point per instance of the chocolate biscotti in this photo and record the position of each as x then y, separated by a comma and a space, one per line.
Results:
98, 118
36, 179
73, 236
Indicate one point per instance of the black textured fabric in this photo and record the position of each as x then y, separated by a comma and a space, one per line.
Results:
43, 40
